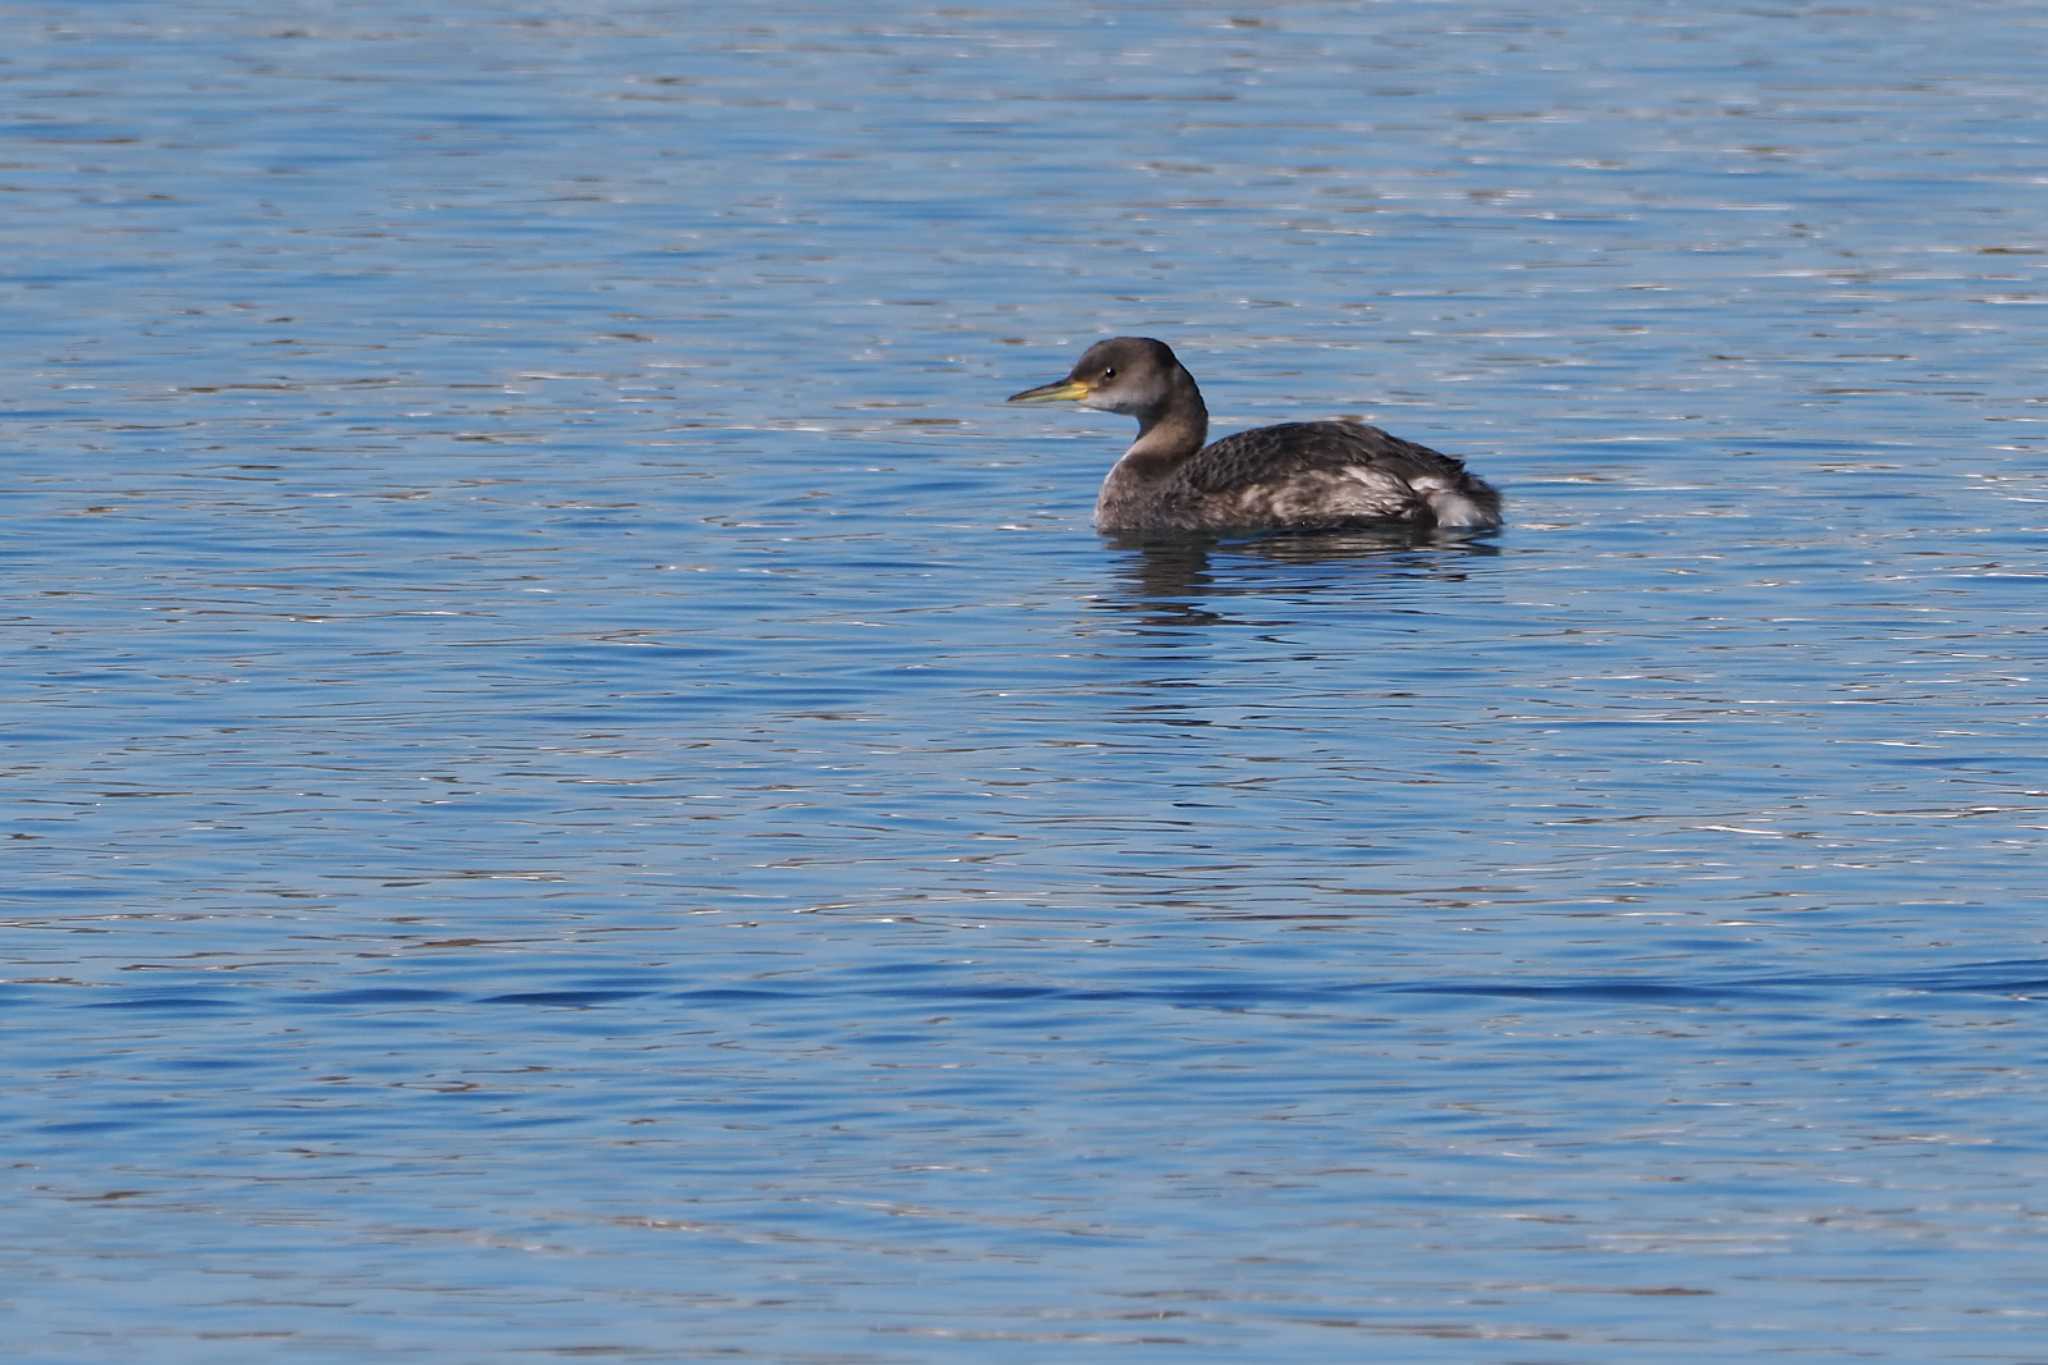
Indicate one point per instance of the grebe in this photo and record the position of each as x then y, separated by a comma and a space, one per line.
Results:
1295, 476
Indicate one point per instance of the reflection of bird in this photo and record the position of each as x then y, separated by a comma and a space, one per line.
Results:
1295, 476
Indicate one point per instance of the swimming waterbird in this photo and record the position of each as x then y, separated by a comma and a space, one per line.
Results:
1294, 476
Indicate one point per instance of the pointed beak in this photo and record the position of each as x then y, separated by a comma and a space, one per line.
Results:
1059, 391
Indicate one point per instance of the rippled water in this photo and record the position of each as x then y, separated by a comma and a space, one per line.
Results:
579, 786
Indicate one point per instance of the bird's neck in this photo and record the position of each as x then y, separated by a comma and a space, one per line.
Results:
1170, 432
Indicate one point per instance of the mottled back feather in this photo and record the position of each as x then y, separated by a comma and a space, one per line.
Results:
1270, 454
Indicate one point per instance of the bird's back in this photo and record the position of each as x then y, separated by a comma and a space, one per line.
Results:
1331, 474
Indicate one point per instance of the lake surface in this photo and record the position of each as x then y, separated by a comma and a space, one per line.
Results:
578, 786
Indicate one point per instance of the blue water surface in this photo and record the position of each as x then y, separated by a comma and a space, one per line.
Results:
576, 785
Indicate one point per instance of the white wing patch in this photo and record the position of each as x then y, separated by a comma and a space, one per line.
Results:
1355, 491
1453, 507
